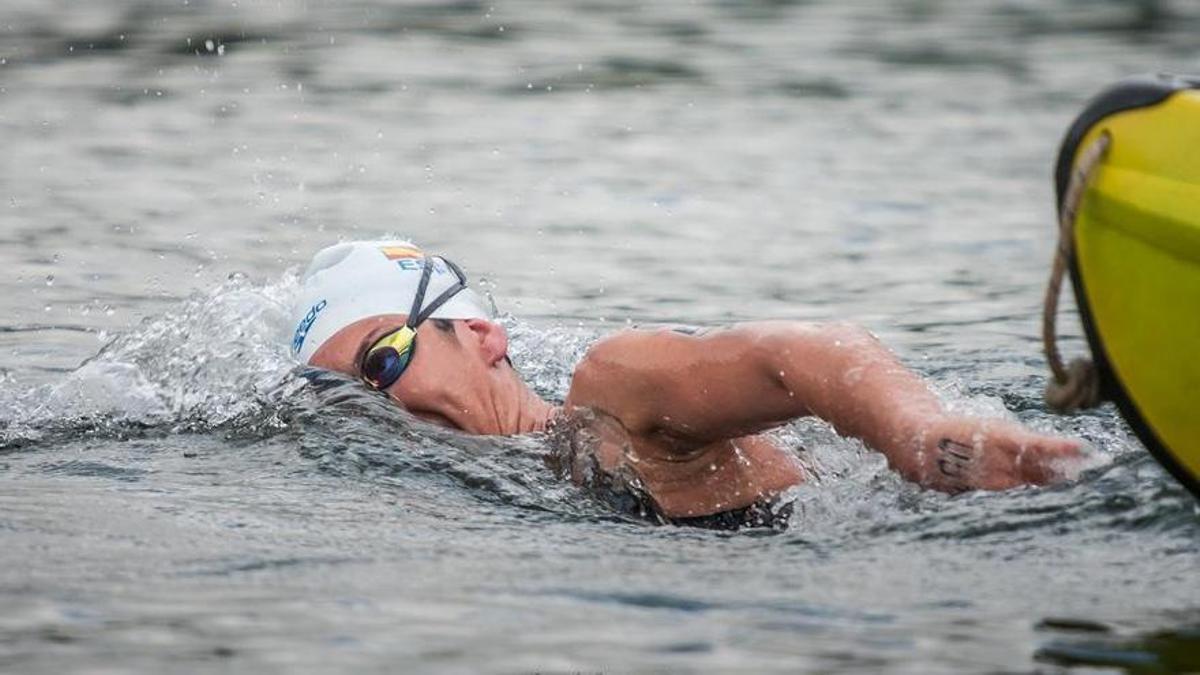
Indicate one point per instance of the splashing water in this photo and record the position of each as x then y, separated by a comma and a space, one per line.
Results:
217, 359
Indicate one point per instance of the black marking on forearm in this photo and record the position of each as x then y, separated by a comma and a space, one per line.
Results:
954, 458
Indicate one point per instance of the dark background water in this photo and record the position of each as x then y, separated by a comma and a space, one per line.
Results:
184, 501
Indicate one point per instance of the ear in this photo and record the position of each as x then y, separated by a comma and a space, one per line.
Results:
491, 337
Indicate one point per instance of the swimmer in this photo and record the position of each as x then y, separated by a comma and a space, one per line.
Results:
673, 417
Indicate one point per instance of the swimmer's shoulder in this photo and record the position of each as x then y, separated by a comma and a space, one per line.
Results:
627, 352
624, 373
639, 344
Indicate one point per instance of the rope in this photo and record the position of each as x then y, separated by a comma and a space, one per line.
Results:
1077, 385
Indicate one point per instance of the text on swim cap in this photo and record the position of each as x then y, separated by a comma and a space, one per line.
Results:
305, 324
410, 265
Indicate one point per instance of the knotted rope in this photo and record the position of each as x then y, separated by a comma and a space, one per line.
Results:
1075, 386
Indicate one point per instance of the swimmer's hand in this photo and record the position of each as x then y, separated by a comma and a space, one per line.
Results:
954, 454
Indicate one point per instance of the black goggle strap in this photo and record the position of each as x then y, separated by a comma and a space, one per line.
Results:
423, 314
414, 313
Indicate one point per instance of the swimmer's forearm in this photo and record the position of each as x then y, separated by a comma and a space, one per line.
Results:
844, 375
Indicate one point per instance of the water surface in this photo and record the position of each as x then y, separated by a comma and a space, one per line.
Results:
184, 500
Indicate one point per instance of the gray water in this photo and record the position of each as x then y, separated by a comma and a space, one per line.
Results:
183, 500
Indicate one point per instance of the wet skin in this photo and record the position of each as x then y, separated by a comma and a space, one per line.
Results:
684, 411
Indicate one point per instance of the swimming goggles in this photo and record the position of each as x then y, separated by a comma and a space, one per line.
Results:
388, 358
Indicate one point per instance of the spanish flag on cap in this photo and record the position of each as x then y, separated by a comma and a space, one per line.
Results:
403, 251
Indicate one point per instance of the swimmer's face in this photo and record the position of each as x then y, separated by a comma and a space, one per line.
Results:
448, 380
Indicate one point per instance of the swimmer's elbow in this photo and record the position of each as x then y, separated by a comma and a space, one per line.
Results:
809, 361
843, 332
816, 343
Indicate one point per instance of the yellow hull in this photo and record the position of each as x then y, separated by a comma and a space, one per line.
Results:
1137, 261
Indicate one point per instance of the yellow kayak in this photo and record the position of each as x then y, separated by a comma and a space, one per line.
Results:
1136, 258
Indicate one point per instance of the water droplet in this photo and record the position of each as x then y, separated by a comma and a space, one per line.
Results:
208, 44
49, 279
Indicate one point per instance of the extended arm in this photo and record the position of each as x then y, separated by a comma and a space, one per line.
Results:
698, 389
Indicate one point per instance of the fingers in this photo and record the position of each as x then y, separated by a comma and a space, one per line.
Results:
1039, 459
1015, 456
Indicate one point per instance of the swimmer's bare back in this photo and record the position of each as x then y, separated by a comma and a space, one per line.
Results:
683, 413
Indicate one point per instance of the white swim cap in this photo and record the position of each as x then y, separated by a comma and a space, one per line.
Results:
355, 280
